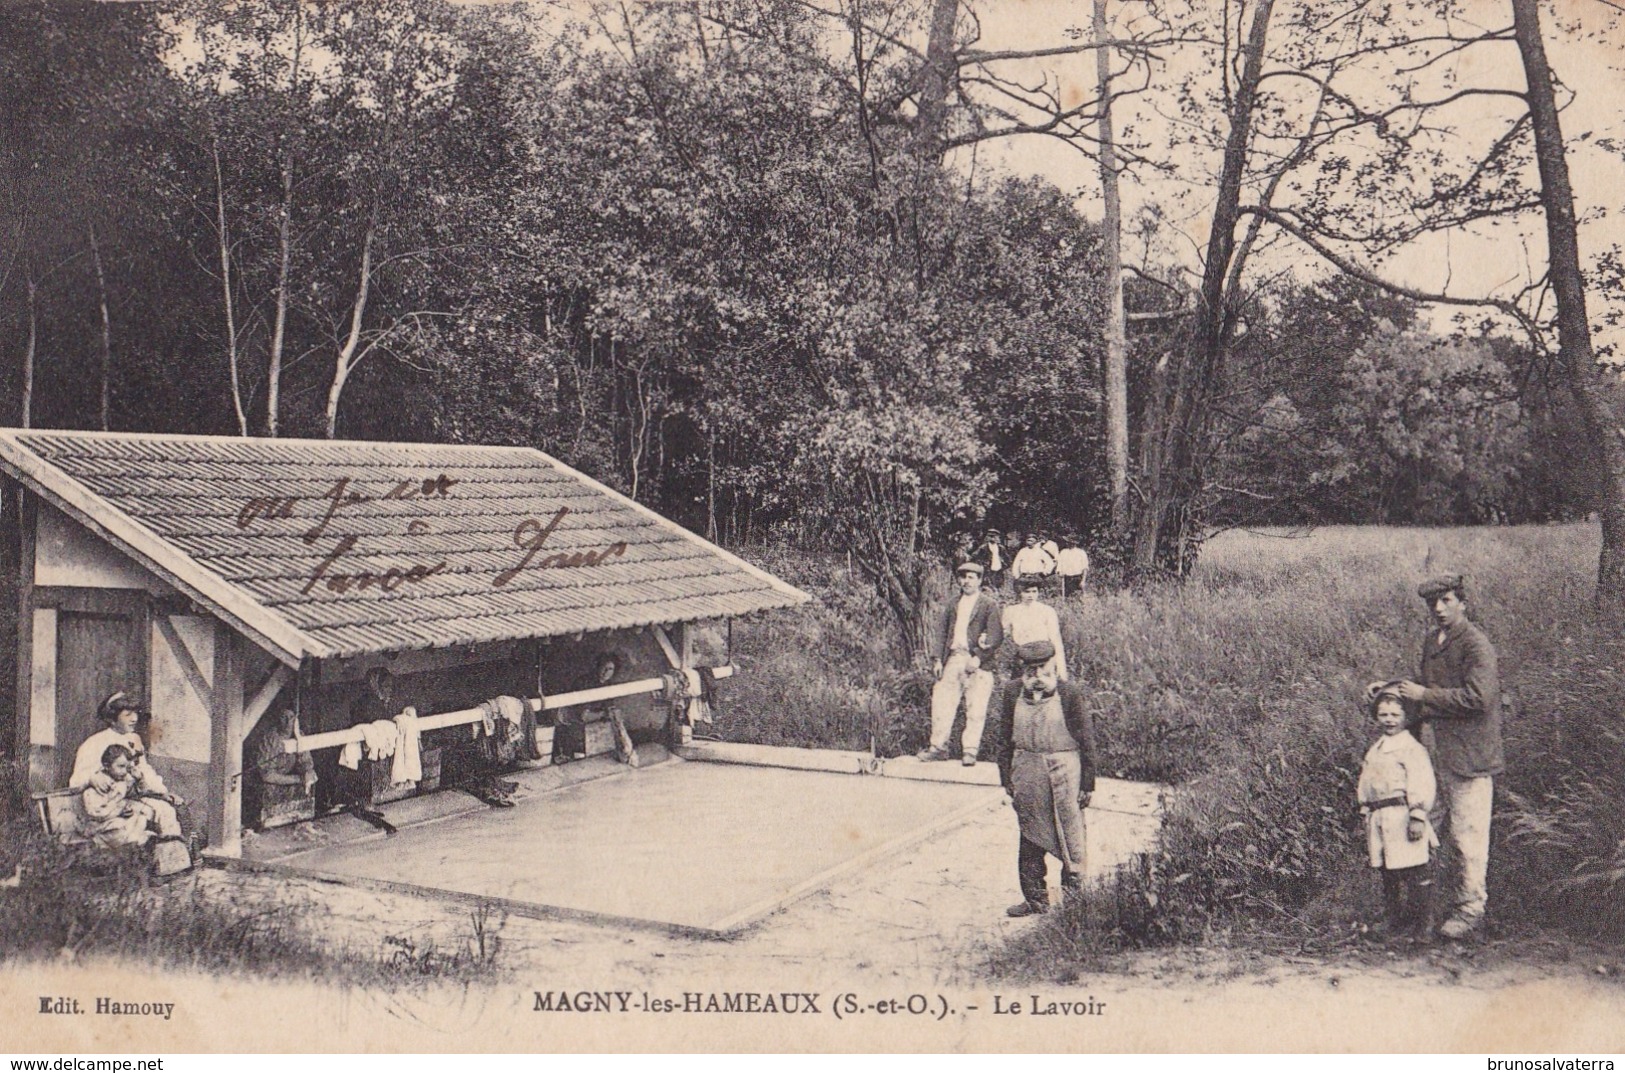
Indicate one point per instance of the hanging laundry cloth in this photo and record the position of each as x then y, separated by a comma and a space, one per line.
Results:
408, 766
519, 713
380, 737
350, 755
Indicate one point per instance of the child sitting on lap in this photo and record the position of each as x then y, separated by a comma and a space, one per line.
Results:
1396, 793
116, 816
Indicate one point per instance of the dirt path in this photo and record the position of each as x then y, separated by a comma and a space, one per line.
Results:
918, 928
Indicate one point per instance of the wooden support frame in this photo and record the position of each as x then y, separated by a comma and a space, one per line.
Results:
27, 511
225, 816
254, 708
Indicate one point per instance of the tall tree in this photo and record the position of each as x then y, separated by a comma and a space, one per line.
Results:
1598, 391
1116, 331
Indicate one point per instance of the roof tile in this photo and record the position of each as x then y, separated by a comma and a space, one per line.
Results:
207, 498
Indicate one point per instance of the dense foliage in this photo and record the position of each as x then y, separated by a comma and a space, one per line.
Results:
680, 251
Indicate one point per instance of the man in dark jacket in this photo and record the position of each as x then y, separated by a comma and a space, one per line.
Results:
966, 634
1458, 698
990, 556
1047, 766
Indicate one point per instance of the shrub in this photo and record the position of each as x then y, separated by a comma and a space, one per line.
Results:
825, 674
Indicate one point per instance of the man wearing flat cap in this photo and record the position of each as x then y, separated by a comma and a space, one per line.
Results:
989, 555
967, 632
1047, 766
1458, 700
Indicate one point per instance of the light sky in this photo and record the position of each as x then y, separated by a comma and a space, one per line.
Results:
1484, 261
1585, 42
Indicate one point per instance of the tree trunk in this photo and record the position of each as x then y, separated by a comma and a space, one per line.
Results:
26, 417
1597, 392
1191, 383
1116, 328
710, 483
273, 372
936, 80
225, 293
107, 329
345, 362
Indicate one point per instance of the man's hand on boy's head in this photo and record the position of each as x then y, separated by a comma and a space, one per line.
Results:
1410, 691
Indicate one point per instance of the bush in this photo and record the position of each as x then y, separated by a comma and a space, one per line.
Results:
1242, 690
824, 675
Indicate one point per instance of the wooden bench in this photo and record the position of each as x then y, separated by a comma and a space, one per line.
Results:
59, 815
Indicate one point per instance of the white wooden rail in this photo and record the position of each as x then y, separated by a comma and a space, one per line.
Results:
328, 739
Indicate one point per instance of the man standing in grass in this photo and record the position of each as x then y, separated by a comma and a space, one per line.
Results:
967, 634
1459, 700
990, 556
1072, 564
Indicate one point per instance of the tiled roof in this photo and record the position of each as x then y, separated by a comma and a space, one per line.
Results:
227, 535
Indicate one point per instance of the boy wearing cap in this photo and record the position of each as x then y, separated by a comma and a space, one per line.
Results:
1459, 698
1047, 766
966, 635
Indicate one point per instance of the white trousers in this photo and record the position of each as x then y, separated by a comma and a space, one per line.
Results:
959, 681
1469, 801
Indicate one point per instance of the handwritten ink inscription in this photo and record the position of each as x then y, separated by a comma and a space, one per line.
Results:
335, 573
531, 534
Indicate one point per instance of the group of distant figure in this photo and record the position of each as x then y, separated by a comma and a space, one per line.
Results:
1006, 557
1046, 745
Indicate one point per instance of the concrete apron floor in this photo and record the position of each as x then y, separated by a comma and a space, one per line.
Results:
700, 848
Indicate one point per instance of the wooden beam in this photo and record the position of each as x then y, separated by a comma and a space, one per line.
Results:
331, 738
183, 659
668, 648
254, 710
225, 817
26, 514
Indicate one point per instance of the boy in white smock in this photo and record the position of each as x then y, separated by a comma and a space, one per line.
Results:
1397, 790
112, 813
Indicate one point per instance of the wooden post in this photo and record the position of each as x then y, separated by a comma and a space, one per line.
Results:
22, 508
685, 659
225, 818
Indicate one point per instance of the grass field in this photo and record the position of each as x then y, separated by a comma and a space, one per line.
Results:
1241, 691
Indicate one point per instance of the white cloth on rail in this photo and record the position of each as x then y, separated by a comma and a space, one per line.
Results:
408, 766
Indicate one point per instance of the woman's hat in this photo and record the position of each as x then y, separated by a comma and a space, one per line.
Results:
119, 702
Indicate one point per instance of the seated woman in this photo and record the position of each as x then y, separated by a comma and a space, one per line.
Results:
111, 811
278, 784
121, 713
570, 741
